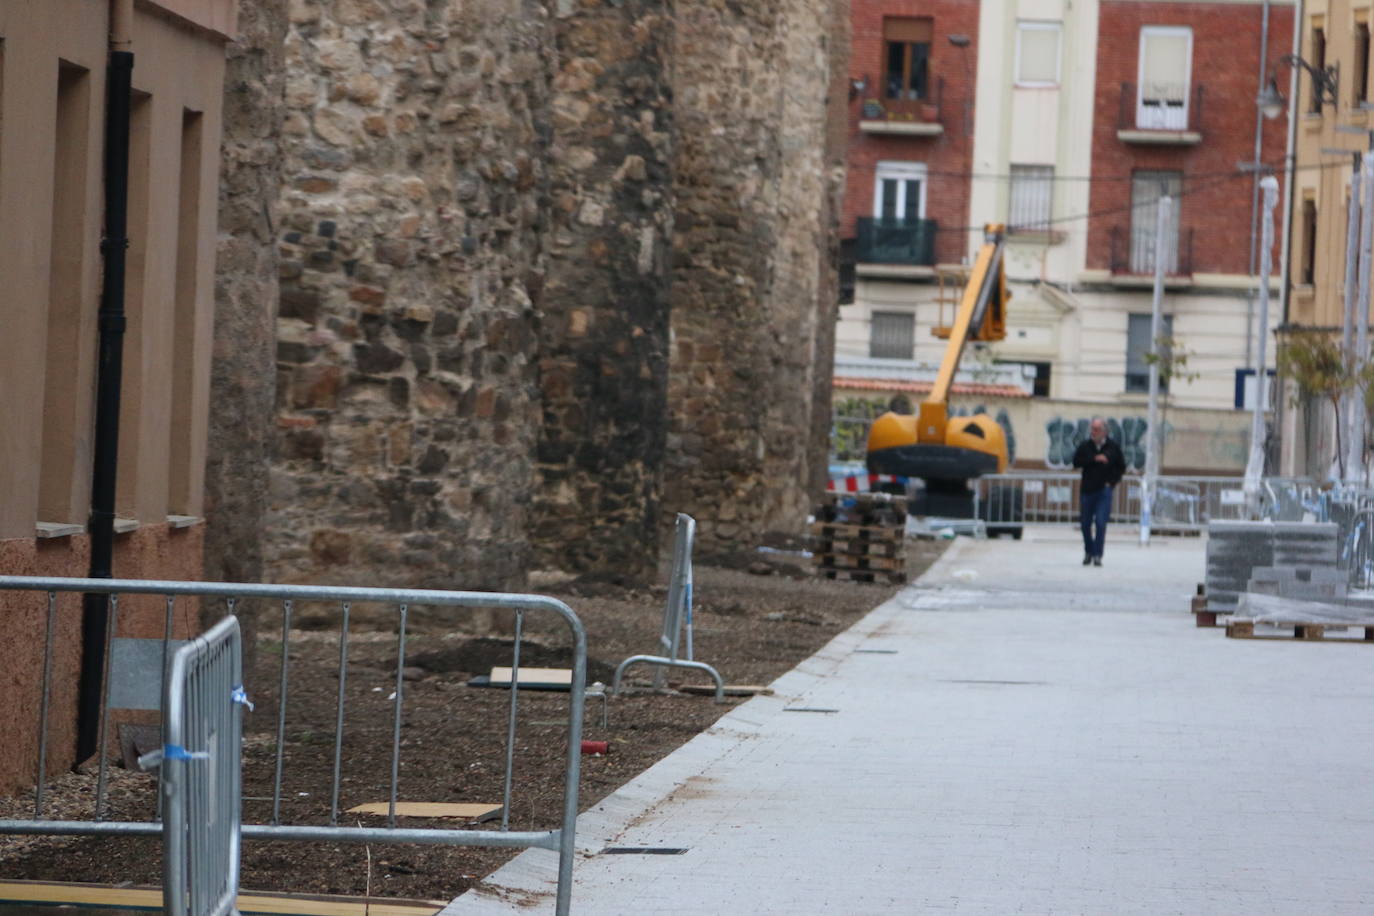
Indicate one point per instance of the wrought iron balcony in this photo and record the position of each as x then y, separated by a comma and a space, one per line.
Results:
895, 241
1174, 117
1133, 254
913, 117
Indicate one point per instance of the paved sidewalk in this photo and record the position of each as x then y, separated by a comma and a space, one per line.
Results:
1015, 733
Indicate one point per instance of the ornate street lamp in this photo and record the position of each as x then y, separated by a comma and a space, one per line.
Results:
1325, 85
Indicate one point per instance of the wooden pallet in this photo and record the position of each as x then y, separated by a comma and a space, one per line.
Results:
1306, 632
832, 530
858, 547
893, 577
851, 561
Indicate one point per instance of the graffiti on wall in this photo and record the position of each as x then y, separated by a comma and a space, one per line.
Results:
1064, 436
1003, 420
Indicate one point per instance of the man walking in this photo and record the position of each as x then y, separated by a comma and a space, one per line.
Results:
1103, 464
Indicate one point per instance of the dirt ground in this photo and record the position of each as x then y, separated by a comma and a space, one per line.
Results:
757, 616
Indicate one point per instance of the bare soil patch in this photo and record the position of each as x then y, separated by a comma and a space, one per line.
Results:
751, 626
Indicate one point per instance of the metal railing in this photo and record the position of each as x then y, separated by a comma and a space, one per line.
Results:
1133, 253
560, 838
1183, 112
677, 617
200, 771
892, 240
1180, 503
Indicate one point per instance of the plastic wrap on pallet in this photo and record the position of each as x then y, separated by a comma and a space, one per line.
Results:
1270, 609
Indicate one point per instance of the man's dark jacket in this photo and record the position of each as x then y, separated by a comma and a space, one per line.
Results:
1097, 475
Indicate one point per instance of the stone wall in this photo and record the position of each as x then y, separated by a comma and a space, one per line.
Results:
489, 212
411, 270
604, 346
754, 239
242, 377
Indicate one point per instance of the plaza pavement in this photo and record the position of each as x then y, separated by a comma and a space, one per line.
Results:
1014, 733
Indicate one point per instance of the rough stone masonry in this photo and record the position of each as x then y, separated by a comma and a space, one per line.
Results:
548, 272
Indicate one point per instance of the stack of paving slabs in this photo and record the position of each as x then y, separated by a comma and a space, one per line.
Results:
1301, 603
858, 536
1236, 549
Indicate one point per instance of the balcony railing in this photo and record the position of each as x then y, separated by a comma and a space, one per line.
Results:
1170, 112
895, 241
1133, 254
897, 113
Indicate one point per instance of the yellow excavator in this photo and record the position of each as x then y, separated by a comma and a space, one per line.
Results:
947, 452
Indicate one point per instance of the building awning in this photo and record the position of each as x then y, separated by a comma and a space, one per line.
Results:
973, 389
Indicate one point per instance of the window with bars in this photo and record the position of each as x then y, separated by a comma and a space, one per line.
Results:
1138, 345
1165, 71
1146, 189
892, 335
906, 43
1032, 192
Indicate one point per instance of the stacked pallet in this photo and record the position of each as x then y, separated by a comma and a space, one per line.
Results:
859, 537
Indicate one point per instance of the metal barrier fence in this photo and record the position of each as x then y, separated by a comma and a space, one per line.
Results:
200, 770
560, 838
677, 617
1180, 503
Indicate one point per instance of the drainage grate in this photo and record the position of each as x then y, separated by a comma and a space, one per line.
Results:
808, 709
1003, 683
643, 850
875, 651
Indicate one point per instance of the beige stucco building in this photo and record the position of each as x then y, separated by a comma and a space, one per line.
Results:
1335, 33
53, 104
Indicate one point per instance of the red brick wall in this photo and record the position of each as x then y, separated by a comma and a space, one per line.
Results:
948, 156
1226, 39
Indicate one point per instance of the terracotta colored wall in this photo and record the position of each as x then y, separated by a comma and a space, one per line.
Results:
948, 156
152, 552
1226, 63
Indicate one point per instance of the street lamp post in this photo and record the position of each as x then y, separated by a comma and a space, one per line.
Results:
1254, 468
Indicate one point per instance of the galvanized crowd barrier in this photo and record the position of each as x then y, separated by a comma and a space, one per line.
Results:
677, 617
560, 839
1180, 503
200, 772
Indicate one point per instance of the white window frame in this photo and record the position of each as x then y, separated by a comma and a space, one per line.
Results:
1150, 121
901, 172
1023, 26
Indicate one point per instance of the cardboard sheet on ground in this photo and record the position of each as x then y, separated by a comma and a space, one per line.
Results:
468, 812
1274, 610
543, 678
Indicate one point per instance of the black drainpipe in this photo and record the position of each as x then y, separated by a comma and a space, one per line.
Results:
113, 248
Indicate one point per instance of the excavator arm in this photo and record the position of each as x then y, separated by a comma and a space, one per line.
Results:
981, 316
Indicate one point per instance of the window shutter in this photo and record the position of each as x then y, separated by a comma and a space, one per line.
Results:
1165, 71
914, 30
1039, 58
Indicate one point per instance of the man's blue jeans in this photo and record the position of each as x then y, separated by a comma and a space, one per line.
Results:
1095, 508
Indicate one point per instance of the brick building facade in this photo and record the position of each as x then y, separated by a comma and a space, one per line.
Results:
931, 134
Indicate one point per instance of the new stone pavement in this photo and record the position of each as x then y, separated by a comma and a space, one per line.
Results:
1015, 733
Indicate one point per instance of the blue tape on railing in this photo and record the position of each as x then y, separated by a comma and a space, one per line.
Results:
237, 695
177, 752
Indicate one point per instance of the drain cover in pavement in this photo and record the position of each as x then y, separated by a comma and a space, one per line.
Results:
643, 850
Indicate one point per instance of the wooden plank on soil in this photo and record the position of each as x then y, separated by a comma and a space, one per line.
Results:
468, 812
731, 690
150, 898
533, 677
